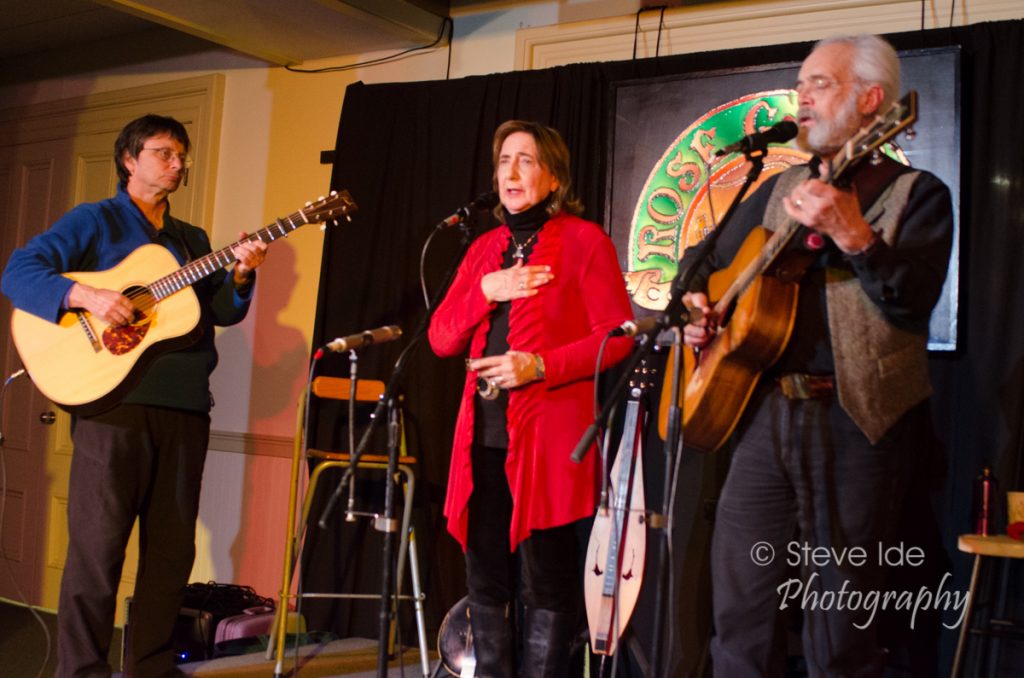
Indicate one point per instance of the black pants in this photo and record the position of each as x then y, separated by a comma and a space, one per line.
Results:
130, 462
544, 570
804, 479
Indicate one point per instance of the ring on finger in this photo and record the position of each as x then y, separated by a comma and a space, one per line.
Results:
487, 388
522, 285
798, 202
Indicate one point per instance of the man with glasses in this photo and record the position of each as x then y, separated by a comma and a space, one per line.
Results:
822, 450
144, 457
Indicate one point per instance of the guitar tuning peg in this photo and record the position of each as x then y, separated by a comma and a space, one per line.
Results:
911, 133
309, 203
333, 193
323, 226
321, 199
348, 218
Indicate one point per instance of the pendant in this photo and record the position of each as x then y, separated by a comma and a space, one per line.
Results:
518, 254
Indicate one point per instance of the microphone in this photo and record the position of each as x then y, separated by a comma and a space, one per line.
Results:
758, 141
481, 203
631, 328
354, 341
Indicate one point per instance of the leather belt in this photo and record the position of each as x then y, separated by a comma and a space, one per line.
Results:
797, 386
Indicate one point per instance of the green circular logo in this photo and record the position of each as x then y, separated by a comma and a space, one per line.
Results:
689, 189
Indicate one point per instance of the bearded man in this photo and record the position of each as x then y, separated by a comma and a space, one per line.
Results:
821, 452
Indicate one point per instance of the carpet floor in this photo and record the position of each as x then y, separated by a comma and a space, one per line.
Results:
28, 649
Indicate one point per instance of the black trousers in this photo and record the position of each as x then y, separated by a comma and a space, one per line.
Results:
130, 462
543, 573
804, 480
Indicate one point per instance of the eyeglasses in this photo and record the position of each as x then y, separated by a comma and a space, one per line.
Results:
168, 154
817, 83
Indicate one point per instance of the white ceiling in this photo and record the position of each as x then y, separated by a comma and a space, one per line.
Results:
277, 31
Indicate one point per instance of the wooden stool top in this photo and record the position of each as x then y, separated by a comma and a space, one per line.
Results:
366, 458
999, 545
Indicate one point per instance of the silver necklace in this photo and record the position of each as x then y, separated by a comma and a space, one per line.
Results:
518, 254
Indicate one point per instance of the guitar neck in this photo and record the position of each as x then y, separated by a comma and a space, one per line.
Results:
197, 269
758, 265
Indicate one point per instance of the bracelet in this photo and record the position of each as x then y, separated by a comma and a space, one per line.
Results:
538, 366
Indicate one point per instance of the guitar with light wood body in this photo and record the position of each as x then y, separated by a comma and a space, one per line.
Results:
86, 366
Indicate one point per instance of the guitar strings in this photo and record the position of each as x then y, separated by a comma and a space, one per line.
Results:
144, 298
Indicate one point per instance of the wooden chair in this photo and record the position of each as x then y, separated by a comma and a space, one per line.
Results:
367, 391
985, 547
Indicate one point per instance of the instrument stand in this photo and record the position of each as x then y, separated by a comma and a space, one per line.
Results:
387, 403
675, 316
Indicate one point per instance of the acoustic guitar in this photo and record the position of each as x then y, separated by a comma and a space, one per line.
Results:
86, 366
757, 299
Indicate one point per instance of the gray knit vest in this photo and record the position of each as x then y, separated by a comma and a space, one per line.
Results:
881, 370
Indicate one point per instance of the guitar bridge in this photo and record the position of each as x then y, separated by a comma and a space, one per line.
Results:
90, 333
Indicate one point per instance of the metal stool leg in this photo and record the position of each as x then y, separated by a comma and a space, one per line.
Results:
417, 593
965, 627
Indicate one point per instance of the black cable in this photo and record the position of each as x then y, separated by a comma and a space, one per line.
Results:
636, 31
636, 27
657, 44
3, 508
373, 62
451, 39
952, 6
423, 268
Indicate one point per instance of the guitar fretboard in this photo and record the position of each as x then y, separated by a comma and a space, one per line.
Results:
197, 269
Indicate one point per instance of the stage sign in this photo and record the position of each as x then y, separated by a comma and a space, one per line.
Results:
667, 190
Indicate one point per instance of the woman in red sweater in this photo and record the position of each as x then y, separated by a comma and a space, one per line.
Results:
532, 302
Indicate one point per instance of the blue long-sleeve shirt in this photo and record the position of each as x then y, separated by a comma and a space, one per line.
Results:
97, 236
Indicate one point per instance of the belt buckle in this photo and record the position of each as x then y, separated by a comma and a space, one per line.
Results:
796, 386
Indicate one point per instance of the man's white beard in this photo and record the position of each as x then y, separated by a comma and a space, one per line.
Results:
828, 136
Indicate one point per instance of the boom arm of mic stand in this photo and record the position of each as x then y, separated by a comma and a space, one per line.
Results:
388, 402
618, 392
398, 371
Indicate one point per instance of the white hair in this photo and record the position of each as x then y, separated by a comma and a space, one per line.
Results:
875, 62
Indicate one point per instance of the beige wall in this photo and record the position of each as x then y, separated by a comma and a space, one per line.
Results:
276, 123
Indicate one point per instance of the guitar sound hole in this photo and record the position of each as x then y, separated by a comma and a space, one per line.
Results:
125, 338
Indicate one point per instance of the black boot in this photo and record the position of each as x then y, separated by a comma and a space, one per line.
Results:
492, 640
547, 638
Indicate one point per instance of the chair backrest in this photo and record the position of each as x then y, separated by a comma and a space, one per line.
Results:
367, 391
337, 388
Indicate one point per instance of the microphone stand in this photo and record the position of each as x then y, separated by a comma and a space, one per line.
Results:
388, 402
675, 316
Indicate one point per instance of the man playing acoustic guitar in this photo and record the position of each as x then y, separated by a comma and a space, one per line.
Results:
144, 456
821, 450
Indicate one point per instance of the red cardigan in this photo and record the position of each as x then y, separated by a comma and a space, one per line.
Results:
565, 323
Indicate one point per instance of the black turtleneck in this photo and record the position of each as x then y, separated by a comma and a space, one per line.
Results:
490, 425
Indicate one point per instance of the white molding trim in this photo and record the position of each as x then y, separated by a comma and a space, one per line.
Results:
732, 25
249, 443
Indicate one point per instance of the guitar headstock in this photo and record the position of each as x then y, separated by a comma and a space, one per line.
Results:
335, 206
900, 116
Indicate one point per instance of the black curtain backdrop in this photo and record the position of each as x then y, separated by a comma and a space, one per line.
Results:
412, 153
